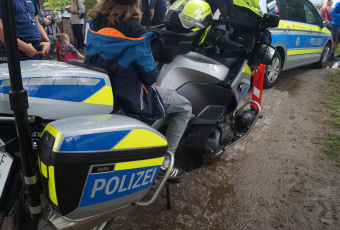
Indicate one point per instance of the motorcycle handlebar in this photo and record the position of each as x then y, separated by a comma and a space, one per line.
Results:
224, 42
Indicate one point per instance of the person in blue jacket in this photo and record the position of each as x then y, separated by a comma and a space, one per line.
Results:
118, 42
335, 28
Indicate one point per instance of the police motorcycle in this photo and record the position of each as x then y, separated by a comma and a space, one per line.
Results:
79, 164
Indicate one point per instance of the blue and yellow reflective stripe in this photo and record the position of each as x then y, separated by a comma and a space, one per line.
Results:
63, 88
48, 173
139, 164
57, 135
51, 185
102, 97
43, 170
304, 51
301, 26
140, 138
246, 69
121, 139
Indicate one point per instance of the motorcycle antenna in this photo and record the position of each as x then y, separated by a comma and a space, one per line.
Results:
19, 105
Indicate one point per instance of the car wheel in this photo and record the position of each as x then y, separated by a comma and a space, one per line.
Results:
322, 63
272, 72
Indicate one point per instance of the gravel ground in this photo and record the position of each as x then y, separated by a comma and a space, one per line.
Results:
278, 178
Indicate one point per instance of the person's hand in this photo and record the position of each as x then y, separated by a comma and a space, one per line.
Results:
81, 57
46, 47
154, 84
30, 51
47, 22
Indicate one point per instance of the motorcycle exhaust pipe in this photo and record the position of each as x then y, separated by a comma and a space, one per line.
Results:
245, 119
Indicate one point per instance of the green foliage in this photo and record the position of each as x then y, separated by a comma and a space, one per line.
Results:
52, 4
89, 4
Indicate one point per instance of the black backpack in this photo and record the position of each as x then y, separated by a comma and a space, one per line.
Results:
82, 15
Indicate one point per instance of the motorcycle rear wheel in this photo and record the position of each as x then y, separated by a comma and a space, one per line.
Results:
216, 155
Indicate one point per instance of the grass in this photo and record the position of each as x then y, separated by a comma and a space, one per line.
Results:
337, 52
331, 117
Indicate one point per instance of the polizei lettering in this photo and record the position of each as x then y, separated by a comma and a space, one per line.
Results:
101, 187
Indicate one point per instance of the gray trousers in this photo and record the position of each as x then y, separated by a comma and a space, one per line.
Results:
179, 108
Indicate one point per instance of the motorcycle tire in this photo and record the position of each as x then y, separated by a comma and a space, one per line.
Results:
21, 219
214, 156
322, 63
272, 72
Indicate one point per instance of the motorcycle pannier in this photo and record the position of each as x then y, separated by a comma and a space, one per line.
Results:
170, 44
94, 164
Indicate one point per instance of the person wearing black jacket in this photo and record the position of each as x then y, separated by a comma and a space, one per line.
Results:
146, 17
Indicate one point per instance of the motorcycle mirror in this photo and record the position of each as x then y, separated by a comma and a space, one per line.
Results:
325, 23
270, 20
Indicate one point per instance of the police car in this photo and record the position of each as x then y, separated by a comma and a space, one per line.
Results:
301, 38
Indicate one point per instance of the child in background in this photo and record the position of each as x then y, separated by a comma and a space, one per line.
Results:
67, 51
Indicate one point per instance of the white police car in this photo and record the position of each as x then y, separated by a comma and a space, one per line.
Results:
301, 38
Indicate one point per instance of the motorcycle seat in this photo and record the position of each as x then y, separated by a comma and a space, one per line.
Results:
154, 124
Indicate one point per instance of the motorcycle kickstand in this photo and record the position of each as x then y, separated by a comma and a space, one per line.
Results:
167, 195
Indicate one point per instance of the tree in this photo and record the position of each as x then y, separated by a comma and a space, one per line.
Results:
53, 4
89, 4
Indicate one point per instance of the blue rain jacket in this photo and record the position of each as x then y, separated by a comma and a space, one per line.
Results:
131, 68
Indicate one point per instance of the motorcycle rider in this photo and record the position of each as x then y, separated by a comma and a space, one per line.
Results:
118, 42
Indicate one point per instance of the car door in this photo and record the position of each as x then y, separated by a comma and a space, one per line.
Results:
305, 37
317, 36
296, 32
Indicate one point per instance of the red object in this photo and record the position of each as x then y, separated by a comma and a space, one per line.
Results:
258, 84
68, 56
58, 49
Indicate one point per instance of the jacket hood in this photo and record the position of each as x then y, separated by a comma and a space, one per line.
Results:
99, 42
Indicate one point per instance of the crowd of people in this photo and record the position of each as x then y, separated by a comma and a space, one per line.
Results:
33, 20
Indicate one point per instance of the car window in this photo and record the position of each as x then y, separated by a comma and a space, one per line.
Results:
295, 11
312, 15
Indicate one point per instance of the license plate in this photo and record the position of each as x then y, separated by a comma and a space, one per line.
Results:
5, 166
